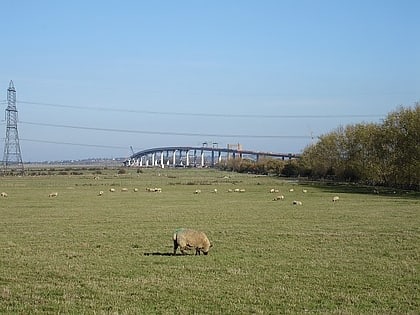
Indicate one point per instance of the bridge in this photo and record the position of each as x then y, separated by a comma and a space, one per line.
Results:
181, 156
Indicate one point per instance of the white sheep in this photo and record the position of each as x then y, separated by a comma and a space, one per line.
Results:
156, 189
4, 194
124, 189
135, 189
190, 239
197, 191
112, 189
215, 190
101, 193
291, 190
335, 199
281, 197
54, 194
304, 191
297, 202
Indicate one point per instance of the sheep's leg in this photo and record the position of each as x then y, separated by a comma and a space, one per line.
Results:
197, 251
182, 250
175, 246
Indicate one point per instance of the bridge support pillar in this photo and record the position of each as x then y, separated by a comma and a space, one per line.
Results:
174, 158
162, 165
187, 162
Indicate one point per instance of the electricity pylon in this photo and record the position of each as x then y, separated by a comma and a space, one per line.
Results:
12, 157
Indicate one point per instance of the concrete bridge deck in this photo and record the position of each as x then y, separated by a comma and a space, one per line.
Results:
196, 156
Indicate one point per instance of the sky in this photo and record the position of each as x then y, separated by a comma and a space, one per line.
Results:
94, 78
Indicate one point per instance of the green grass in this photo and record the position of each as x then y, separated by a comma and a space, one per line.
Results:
81, 253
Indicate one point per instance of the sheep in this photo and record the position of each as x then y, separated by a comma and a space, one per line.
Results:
304, 191
4, 194
101, 193
197, 191
215, 190
187, 239
112, 189
230, 190
54, 194
154, 189
281, 197
124, 189
242, 190
297, 203
291, 190
335, 199
135, 189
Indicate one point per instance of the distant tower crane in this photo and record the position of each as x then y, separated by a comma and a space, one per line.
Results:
12, 157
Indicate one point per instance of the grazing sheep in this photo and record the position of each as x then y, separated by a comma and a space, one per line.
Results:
236, 190
135, 189
304, 191
187, 239
197, 191
215, 190
291, 190
154, 189
230, 190
101, 193
124, 189
297, 203
241, 190
335, 199
3, 194
281, 197
54, 194
112, 189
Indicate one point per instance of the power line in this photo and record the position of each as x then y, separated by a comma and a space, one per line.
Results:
219, 115
167, 133
76, 144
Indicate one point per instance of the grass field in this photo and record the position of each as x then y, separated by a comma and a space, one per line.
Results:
111, 254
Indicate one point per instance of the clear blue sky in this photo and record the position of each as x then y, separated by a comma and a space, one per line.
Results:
195, 71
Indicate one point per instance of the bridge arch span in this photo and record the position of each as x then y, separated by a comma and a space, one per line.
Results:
190, 156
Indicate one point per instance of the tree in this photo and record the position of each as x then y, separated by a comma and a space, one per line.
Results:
379, 154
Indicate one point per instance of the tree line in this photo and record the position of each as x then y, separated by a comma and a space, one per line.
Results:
384, 154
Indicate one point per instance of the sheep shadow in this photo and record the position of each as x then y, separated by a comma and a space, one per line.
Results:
166, 254
160, 254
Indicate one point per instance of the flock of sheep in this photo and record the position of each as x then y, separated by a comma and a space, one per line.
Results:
198, 191
296, 202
